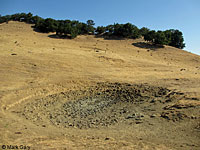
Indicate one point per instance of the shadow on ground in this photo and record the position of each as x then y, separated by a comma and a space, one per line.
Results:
147, 45
59, 36
55, 36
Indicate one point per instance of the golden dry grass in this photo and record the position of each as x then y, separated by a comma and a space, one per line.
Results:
33, 65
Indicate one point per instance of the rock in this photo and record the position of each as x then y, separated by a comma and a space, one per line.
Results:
70, 124
152, 101
153, 116
107, 138
173, 115
138, 122
138, 118
129, 117
168, 100
193, 117
182, 69
18, 133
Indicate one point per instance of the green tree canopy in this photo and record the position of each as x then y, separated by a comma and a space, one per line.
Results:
150, 36
90, 27
160, 38
73, 28
177, 39
100, 30
143, 31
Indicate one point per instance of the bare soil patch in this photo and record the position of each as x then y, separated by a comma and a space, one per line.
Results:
103, 105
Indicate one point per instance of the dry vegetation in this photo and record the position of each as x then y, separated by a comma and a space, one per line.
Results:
92, 93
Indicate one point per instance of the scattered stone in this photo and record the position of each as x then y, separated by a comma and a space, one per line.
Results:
70, 124
173, 115
138, 122
107, 138
138, 118
18, 133
168, 100
152, 101
153, 116
103, 105
129, 117
182, 69
182, 104
193, 117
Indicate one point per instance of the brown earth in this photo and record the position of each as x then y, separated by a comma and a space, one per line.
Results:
95, 93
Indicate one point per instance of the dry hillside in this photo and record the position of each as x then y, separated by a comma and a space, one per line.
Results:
93, 93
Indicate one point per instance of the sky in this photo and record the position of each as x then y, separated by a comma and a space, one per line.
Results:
183, 15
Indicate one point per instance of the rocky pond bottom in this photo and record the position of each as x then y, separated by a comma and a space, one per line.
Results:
104, 105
